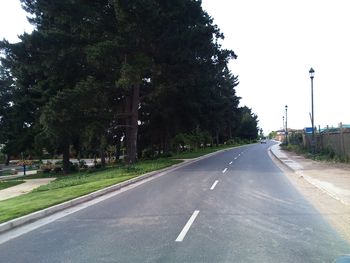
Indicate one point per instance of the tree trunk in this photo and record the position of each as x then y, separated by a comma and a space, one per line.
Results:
103, 146
132, 130
217, 137
7, 160
117, 150
103, 157
65, 163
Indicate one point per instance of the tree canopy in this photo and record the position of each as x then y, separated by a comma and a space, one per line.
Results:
95, 72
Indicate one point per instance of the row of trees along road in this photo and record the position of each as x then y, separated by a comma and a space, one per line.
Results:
93, 72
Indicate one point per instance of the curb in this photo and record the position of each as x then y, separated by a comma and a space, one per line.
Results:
277, 158
310, 180
6, 226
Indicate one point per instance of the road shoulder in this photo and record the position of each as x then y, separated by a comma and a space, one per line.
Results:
324, 185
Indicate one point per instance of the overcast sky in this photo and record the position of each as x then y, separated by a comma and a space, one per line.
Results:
277, 41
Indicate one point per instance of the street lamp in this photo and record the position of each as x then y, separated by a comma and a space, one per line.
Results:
312, 74
286, 107
283, 129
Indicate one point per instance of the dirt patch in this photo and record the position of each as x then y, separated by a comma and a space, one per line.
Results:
335, 212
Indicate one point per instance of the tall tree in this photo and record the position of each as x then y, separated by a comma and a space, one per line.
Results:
135, 21
187, 75
73, 34
94, 71
248, 124
18, 124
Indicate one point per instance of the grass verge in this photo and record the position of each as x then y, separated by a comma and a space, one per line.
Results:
202, 151
326, 155
7, 184
6, 172
65, 188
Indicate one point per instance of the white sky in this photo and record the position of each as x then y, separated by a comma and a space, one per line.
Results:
277, 41
13, 20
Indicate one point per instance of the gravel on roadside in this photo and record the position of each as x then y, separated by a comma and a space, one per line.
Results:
336, 175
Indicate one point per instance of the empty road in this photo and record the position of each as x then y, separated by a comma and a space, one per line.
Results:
236, 206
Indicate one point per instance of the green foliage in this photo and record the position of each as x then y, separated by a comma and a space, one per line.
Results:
2, 157
299, 149
295, 138
194, 140
68, 187
97, 71
189, 154
326, 154
272, 135
249, 124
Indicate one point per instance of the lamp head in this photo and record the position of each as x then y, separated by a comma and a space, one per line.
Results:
312, 73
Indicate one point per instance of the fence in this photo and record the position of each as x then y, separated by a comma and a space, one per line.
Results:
334, 139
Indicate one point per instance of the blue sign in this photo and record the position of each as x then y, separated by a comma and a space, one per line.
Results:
308, 130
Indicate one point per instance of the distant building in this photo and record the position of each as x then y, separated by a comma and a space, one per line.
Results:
280, 135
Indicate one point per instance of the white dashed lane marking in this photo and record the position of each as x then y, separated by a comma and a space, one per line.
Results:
187, 227
214, 184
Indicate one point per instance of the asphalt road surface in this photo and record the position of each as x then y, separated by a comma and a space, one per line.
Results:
236, 206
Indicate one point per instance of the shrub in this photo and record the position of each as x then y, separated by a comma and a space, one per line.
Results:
165, 155
148, 153
2, 157
73, 167
98, 166
57, 169
192, 140
82, 164
231, 142
46, 168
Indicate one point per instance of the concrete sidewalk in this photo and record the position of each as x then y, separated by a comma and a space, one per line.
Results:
331, 178
17, 175
24, 188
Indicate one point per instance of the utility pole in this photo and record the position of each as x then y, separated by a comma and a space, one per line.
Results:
286, 107
313, 143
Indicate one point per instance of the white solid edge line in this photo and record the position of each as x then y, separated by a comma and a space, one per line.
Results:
224, 171
230, 162
187, 226
214, 184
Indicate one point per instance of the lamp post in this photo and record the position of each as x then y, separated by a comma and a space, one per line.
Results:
283, 125
312, 74
286, 107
